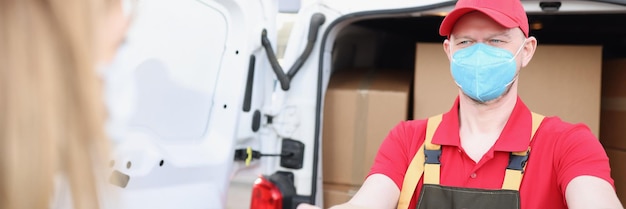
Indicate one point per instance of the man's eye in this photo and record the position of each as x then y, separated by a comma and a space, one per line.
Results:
464, 42
495, 41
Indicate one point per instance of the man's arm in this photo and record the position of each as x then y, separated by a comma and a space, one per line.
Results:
378, 191
590, 192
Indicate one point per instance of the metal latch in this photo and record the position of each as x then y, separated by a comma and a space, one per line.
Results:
291, 156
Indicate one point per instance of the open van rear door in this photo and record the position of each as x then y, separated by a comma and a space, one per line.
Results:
196, 95
175, 96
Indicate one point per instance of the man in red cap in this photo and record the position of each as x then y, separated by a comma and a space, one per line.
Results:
489, 150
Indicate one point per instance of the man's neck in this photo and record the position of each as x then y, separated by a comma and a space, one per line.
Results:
488, 118
481, 124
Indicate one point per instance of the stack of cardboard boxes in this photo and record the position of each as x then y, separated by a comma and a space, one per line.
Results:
360, 108
560, 80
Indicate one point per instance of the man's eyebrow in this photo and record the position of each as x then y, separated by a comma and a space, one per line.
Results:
505, 34
462, 37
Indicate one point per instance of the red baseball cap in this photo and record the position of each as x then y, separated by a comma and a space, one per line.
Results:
509, 13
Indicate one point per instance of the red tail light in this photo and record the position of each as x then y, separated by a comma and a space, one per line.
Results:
265, 195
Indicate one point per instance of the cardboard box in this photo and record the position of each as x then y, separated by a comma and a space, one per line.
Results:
435, 89
613, 112
560, 80
565, 81
335, 194
360, 109
618, 171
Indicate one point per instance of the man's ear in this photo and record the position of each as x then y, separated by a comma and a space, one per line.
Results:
529, 50
446, 48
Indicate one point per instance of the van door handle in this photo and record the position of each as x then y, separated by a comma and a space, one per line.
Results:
285, 78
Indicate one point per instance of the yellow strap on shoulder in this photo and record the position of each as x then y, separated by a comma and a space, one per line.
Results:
431, 127
416, 167
411, 178
432, 171
513, 178
536, 120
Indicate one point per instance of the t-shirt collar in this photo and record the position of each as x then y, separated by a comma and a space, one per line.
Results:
514, 137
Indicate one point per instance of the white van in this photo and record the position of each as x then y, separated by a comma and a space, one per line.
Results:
196, 94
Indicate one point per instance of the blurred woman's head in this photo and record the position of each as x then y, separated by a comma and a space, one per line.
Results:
51, 111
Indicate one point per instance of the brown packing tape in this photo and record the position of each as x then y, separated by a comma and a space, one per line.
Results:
361, 121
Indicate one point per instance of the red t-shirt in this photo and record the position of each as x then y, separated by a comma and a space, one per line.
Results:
559, 152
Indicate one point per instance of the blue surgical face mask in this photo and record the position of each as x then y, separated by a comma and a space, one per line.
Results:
484, 72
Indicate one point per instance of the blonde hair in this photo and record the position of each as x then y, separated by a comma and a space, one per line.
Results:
51, 111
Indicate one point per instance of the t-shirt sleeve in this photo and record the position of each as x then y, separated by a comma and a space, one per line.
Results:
397, 150
579, 153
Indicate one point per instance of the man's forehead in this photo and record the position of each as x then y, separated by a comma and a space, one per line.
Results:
507, 32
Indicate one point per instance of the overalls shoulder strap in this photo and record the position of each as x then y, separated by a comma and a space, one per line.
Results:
517, 160
416, 168
417, 165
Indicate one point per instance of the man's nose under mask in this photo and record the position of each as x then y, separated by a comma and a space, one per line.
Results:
484, 72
